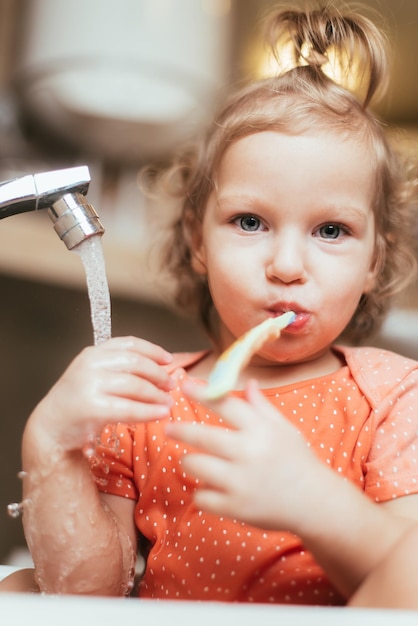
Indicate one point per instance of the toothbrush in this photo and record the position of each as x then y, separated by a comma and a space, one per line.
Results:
224, 375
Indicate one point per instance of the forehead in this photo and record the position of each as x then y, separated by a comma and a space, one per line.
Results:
306, 151
315, 166
278, 141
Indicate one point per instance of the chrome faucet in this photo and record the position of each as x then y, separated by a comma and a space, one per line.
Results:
62, 192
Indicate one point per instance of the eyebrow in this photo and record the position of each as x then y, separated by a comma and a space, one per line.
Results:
350, 212
346, 211
233, 199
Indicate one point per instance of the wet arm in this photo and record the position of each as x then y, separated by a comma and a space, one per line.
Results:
78, 542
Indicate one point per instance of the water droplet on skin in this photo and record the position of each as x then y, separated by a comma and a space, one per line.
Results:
15, 509
113, 442
89, 451
102, 481
94, 462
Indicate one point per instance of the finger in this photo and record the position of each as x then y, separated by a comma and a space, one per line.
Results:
144, 368
135, 388
213, 501
211, 471
141, 346
126, 361
258, 401
235, 411
210, 439
121, 409
263, 407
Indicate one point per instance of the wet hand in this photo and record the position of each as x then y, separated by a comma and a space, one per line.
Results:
260, 471
122, 379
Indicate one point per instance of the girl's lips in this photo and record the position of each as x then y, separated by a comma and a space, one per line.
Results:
302, 318
299, 323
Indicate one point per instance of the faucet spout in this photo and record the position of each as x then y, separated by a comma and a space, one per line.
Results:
74, 219
62, 192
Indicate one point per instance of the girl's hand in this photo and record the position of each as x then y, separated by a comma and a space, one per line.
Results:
122, 379
261, 471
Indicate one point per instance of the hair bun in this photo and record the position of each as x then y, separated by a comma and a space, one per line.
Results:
314, 33
315, 58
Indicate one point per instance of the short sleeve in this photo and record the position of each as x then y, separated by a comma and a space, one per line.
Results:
392, 464
112, 462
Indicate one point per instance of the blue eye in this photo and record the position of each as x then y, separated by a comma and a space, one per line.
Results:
330, 231
249, 223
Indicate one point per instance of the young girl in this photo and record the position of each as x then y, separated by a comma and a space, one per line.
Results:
301, 485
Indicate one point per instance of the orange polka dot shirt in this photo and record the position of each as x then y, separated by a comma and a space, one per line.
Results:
361, 420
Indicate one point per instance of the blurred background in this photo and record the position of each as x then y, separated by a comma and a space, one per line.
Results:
114, 85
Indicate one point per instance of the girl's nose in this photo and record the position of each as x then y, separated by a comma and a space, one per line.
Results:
286, 260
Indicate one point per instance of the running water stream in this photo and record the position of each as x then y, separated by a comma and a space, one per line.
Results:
91, 252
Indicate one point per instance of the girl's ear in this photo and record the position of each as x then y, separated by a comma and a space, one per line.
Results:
193, 228
376, 266
198, 254
370, 281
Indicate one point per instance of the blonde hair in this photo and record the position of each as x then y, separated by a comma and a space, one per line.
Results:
300, 100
